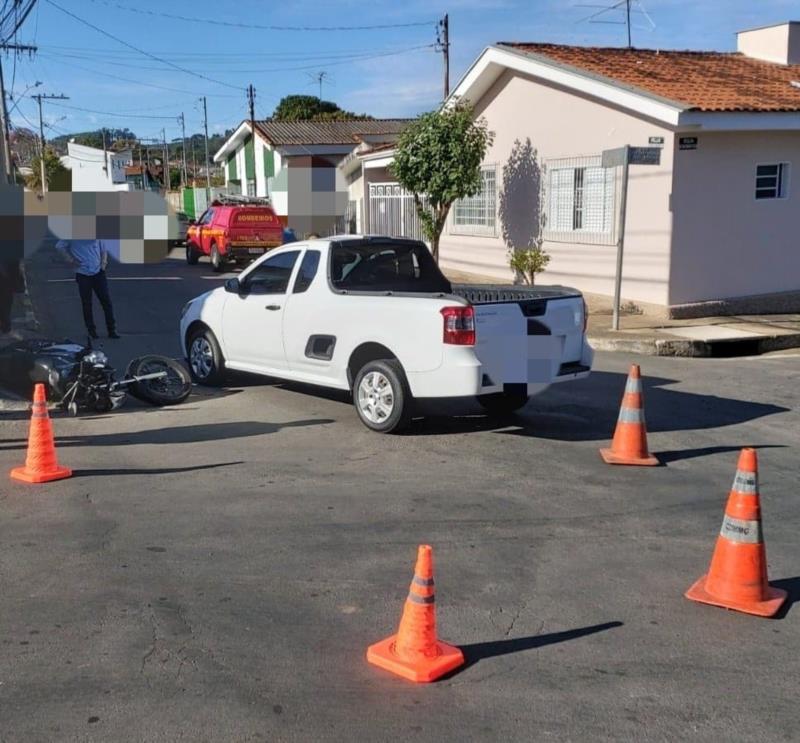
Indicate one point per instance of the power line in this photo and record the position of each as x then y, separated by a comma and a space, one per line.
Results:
261, 27
218, 56
118, 115
335, 61
141, 51
18, 13
139, 82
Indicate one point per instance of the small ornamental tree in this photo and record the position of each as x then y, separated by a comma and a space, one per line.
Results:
438, 159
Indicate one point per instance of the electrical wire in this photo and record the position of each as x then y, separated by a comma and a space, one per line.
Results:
141, 51
261, 27
109, 113
336, 61
148, 85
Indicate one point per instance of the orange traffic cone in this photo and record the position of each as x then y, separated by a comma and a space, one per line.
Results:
737, 578
41, 464
630, 437
414, 652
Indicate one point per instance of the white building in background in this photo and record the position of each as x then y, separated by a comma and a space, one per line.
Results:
97, 170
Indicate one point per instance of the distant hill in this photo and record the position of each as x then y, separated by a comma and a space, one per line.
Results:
118, 139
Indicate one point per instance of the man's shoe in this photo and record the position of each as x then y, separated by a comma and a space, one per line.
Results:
114, 335
93, 334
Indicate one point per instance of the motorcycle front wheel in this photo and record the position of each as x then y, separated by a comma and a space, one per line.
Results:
171, 389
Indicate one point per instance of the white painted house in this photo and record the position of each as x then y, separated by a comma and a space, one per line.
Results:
294, 164
97, 170
715, 224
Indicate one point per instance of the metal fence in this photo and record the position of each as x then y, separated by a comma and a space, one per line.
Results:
581, 200
392, 212
347, 223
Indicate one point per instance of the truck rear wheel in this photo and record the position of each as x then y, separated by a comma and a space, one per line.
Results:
381, 396
503, 403
192, 256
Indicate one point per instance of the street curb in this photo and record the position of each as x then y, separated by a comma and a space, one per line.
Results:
687, 348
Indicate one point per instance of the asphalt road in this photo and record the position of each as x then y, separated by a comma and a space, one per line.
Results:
216, 571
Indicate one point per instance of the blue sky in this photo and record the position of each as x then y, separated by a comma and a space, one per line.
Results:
383, 72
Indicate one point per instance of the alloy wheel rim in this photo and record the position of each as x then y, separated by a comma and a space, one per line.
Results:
201, 358
376, 397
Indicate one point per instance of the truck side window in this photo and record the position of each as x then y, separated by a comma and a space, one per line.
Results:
207, 217
272, 276
307, 272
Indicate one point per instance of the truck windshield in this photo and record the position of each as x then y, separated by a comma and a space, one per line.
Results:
386, 266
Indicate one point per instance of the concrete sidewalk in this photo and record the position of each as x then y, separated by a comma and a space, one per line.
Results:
646, 333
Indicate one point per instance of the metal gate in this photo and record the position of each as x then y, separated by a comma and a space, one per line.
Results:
392, 211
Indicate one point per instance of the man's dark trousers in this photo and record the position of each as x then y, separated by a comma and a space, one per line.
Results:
98, 283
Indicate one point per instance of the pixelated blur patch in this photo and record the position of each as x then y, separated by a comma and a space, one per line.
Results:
61, 226
107, 226
12, 228
155, 251
155, 226
84, 227
131, 227
84, 203
131, 203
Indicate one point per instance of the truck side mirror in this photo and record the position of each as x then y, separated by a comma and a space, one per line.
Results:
234, 286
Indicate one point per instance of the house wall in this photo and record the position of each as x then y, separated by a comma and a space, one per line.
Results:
355, 193
87, 163
564, 124
725, 242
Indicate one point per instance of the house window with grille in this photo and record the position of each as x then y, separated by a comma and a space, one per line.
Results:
772, 181
580, 200
477, 215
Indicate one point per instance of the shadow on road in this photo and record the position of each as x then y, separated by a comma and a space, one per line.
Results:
587, 410
665, 457
481, 650
154, 471
181, 434
792, 586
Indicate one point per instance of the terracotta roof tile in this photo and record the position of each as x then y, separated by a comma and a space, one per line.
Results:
327, 132
703, 81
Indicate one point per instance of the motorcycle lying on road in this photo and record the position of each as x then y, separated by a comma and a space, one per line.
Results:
82, 378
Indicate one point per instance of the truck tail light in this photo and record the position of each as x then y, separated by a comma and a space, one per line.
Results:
459, 325
585, 314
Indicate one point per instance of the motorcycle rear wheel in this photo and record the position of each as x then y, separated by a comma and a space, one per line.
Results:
170, 390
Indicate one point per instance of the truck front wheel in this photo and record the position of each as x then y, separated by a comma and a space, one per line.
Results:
381, 396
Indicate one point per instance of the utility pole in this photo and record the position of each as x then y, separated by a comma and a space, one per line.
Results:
443, 45
39, 98
105, 153
182, 119
194, 164
251, 100
628, 21
208, 167
5, 127
165, 169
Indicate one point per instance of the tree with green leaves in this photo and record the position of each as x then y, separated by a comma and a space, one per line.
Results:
438, 159
57, 175
311, 108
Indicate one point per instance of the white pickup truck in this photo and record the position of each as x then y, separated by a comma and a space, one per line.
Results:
375, 315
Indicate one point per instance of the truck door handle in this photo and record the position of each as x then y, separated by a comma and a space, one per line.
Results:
272, 307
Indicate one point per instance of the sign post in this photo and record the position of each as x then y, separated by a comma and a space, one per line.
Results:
625, 157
